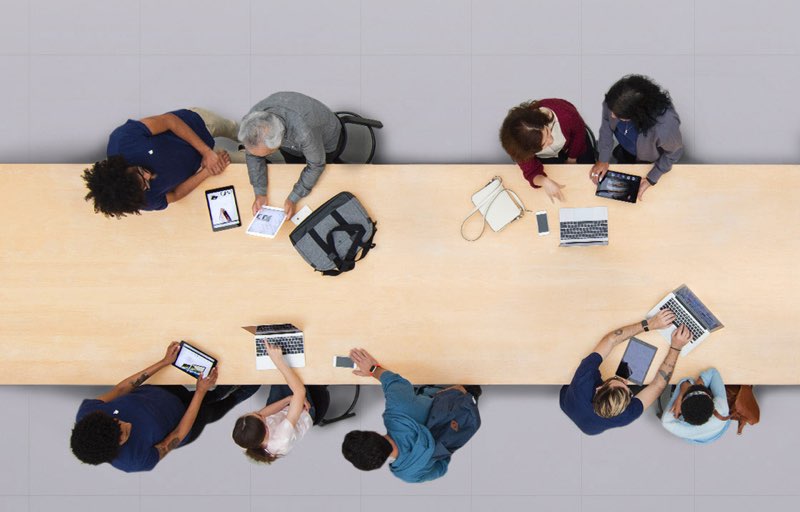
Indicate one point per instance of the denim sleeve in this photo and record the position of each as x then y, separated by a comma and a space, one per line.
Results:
257, 170
437, 470
396, 390
314, 151
606, 142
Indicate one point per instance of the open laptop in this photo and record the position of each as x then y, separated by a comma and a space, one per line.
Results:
583, 226
289, 337
689, 311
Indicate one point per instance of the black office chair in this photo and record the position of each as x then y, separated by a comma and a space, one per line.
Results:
592, 142
358, 141
347, 414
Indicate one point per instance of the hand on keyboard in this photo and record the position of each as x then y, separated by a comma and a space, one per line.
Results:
661, 320
681, 337
275, 353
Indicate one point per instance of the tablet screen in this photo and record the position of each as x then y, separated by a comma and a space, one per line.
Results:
193, 361
636, 361
222, 208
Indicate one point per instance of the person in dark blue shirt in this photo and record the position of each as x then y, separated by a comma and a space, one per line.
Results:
157, 160
134, 426
595, 405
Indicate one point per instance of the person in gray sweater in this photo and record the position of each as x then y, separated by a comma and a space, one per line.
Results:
302, 129
640, 115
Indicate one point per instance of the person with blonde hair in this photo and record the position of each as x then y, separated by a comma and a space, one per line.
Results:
595, 405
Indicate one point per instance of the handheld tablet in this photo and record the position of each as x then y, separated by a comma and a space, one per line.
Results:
267, 222
222, 208
619, 186
636, 361
194, 361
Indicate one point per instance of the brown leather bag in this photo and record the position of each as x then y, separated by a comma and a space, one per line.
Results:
742, 405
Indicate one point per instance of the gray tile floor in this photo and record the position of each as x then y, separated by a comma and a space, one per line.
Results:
440, 75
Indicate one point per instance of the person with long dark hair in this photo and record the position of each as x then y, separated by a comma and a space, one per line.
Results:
291, 410
547, 131
641, 116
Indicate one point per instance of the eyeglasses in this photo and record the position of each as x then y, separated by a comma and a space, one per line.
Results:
145, 181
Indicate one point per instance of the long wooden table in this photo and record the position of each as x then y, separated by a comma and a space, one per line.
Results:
88, 300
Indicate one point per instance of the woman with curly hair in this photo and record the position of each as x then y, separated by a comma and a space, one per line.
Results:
640, 115
548, 131
157, 160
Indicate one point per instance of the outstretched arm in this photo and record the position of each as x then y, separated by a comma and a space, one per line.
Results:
298, 398
138, 378
614, 338
680, 337
174, 438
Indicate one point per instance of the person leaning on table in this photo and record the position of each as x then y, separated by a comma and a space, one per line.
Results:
698, 409
134, 426
548, 131
408, 444
595, 405
640, 115
156, 161
292, 408
302, 129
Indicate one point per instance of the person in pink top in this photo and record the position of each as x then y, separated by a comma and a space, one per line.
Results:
547, 131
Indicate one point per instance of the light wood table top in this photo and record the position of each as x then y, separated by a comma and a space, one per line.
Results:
89, 300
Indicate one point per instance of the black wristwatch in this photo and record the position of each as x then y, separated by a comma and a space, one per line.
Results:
373, 368
644, 326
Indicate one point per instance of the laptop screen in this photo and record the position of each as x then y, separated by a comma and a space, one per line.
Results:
697, 308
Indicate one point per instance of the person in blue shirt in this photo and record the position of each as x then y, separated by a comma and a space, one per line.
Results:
698, 409
595, 405
408, 445
157, 160
134, 426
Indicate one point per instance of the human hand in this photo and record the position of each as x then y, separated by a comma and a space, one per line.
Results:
681, 337
661, 320
288, 208
597, 172
275, 353
572, 160
172, 353
676, 407
552, 189
204, 384
644, 185
213, 162
258, 203
363, 360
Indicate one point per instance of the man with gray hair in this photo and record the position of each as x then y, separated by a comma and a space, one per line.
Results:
302, 129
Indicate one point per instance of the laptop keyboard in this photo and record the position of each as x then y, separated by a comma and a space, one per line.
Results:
683, 318
289, 344
572, 230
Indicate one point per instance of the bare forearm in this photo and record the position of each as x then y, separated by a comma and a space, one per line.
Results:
667, 368
182, 130
187, 186
138, 378
274, 407
294, 382
617, 336
174, 439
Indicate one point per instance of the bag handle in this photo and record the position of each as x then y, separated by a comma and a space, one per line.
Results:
490, 200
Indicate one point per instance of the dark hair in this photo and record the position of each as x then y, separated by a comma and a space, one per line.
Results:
366, 450
249, 432
95, 438
114, 189
521, 133
638, 98
697, 409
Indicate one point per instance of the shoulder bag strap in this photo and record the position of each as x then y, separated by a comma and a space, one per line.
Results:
489, 200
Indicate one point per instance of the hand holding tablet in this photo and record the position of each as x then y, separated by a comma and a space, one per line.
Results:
193, 361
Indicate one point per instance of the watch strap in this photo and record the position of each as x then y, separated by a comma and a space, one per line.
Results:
644, 326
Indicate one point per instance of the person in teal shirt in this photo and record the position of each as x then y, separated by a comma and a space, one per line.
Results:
408, 444
698, 409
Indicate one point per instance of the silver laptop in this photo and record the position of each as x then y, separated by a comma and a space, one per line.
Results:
289, 337
689, 311
583, 226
